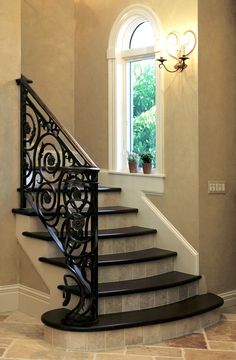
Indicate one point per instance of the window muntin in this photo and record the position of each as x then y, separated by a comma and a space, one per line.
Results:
142, 36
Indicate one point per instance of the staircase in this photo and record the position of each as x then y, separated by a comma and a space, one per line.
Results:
141, 298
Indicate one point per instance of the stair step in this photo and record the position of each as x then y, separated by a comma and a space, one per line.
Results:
120, 258
152, 283
101, 188
102, 234
196, 305
104, 210
135, 256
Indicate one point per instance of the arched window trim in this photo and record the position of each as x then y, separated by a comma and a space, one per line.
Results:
118, 54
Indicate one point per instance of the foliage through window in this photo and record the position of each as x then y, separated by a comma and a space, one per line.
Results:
143, 105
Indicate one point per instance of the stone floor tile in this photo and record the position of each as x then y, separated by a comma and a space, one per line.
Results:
229, 317
3, 317
2, 350
75, 355
5, 341
222, 345
19, 330
166, 358
196, 340
19, 317
191, 354
224, 331
155, 351
33, 349
229, 309
110, 356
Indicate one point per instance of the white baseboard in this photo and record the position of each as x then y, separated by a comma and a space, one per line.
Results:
22, 298
9, 298
33, 302
229, 298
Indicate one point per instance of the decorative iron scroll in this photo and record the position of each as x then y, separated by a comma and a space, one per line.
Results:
60, 182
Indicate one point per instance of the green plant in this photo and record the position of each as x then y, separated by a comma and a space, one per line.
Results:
144, 90
144, 133
146, 157
132, 156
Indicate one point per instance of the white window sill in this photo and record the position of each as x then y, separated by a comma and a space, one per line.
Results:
139, 174
147, 183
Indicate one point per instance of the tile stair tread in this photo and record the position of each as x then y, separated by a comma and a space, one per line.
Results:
152, 283
103, 210
192, 306
120, 258
102, 234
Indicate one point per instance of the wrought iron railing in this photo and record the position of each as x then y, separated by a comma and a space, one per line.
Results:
60, 182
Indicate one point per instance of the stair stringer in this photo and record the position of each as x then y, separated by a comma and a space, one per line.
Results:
52, 276
134, 190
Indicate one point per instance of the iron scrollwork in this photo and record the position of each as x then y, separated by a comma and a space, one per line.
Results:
59, 181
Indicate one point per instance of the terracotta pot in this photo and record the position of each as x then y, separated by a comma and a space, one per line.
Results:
147, 168
133, 166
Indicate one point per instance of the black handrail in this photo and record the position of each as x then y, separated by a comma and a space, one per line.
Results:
60, 181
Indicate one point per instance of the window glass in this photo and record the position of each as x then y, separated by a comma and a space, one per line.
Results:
142, 36
143, 107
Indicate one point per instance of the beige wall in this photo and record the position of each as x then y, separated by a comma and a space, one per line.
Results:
28, 276
217, 134
9, 135
94, 20
48, 54
199, 121
199, 112
48, 29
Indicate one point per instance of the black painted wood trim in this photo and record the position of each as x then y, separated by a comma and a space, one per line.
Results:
152, 283
102, 234
193, 306
120, 258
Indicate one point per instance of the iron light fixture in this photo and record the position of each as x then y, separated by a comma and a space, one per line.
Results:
179, 47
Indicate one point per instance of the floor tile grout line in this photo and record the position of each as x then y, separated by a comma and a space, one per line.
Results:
9, 347
206, 340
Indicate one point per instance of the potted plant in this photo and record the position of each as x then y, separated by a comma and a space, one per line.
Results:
146, 158
133, 162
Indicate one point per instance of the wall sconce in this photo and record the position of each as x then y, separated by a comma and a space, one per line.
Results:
179, 47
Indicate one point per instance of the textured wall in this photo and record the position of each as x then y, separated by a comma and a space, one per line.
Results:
199, 121
94, 20
9, 135
217, 135
48, 29
28, 276
48, 54
199, 108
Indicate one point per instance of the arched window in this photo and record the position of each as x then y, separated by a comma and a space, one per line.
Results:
135, 97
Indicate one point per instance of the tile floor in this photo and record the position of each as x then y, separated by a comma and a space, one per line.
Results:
21, 337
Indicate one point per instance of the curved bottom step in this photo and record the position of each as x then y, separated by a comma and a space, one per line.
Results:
113, 332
